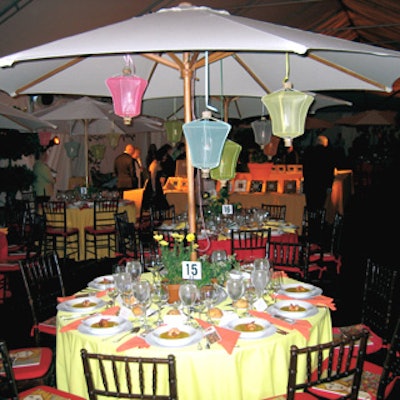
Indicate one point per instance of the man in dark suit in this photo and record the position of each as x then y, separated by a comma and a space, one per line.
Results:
125, 170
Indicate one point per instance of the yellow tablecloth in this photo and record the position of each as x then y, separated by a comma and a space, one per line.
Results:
256, 368
80, 218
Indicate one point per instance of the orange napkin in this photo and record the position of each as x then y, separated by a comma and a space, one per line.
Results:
74, 324
228, 337
136, 341
301, 326
320, 300
75, 296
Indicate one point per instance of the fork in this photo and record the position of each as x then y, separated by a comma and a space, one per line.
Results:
133, 330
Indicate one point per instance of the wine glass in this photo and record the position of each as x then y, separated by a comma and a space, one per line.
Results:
276, 281
122, 281
260, 279
142, 293
261, 263
155, 265
250, 294
218, 255
160, 298
188, 294
135, 268
208, 296
235, 289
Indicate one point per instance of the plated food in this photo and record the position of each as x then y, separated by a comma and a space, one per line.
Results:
294, 309
81, 304
102, 282
300, 290
104, 325
251, 328
174, 336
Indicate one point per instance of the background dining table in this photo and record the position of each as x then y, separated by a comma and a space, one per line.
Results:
255, 368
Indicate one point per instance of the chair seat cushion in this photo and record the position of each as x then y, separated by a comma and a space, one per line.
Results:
48, 392
61, 232
37, 370
100, 231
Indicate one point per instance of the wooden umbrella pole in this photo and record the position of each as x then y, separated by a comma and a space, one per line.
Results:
86, 124
187, 81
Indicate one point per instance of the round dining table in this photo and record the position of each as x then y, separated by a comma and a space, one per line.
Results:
253, 369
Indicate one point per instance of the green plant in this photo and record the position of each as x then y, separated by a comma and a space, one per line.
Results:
214, 203
172, 258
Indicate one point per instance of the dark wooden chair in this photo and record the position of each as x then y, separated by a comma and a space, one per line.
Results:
43, 283
13, 378
127, 237
127, 377
247, 244
59, 237
102, 234
327, 363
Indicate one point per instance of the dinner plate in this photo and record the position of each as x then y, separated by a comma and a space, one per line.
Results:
276, 232
102, 282
153, 338
78, 304
123, 326
306, 309
300, 290
267, 328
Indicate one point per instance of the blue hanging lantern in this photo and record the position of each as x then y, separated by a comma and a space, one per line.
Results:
205, 138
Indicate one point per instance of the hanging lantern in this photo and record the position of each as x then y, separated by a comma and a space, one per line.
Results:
226, 169
127, 92
98, 151
72, 149
205, 138
113, 139
262, 131
288, 110
174, 131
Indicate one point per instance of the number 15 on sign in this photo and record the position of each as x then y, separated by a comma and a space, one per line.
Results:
191, 270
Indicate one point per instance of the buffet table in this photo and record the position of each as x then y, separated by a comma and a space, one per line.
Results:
255, 368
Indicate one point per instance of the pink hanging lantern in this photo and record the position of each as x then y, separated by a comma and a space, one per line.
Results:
127, 91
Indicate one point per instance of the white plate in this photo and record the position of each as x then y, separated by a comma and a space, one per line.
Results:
276, 232
101, 282
153, 338
124, 326
71, 305
307, 309
268, 328
308, 292
89, 322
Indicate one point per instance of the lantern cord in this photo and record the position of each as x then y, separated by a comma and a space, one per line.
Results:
287, 69
207, 83
129, 63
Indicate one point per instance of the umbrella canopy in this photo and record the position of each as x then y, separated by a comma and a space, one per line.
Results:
238, 107
318, 123
369, 117
12, 118
246, 57
86, 116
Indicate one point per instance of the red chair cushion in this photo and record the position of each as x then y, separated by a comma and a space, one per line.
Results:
37, 370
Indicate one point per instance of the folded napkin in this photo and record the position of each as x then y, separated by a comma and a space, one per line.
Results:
75, 296
228, 337
301, 326
320, 300
136, 341
74, 324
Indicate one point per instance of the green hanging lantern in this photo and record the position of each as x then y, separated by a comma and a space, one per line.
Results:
226, 169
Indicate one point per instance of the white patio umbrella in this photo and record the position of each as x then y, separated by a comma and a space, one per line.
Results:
12, 118
238, 107
247, 58
86, 116
369, 117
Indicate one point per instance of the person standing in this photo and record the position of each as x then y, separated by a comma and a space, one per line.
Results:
125, 170
44, 179
318, 172
137, 161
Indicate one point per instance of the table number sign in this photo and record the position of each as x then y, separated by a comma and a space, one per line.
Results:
191, 270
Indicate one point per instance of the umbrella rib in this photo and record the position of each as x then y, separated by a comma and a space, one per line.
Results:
50, 74
347, 71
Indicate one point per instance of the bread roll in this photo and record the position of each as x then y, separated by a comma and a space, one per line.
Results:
174, 311
137, 310
241, 303
215, 312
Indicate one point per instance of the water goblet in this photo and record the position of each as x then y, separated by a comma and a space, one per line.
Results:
250, 294
276, 281
261, 263
260, 279
155, 264
122, 281
142, 293
208, 295
135, 268
160, 298
218, 255
235, 289
188, 294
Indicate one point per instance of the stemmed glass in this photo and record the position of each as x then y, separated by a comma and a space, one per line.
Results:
275, 283
142, 293
261, 263
160, 298
155, 265
123, 282
135, 268
208, 295
188, 294
260, 279
218, 255
235, 289
250, 294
